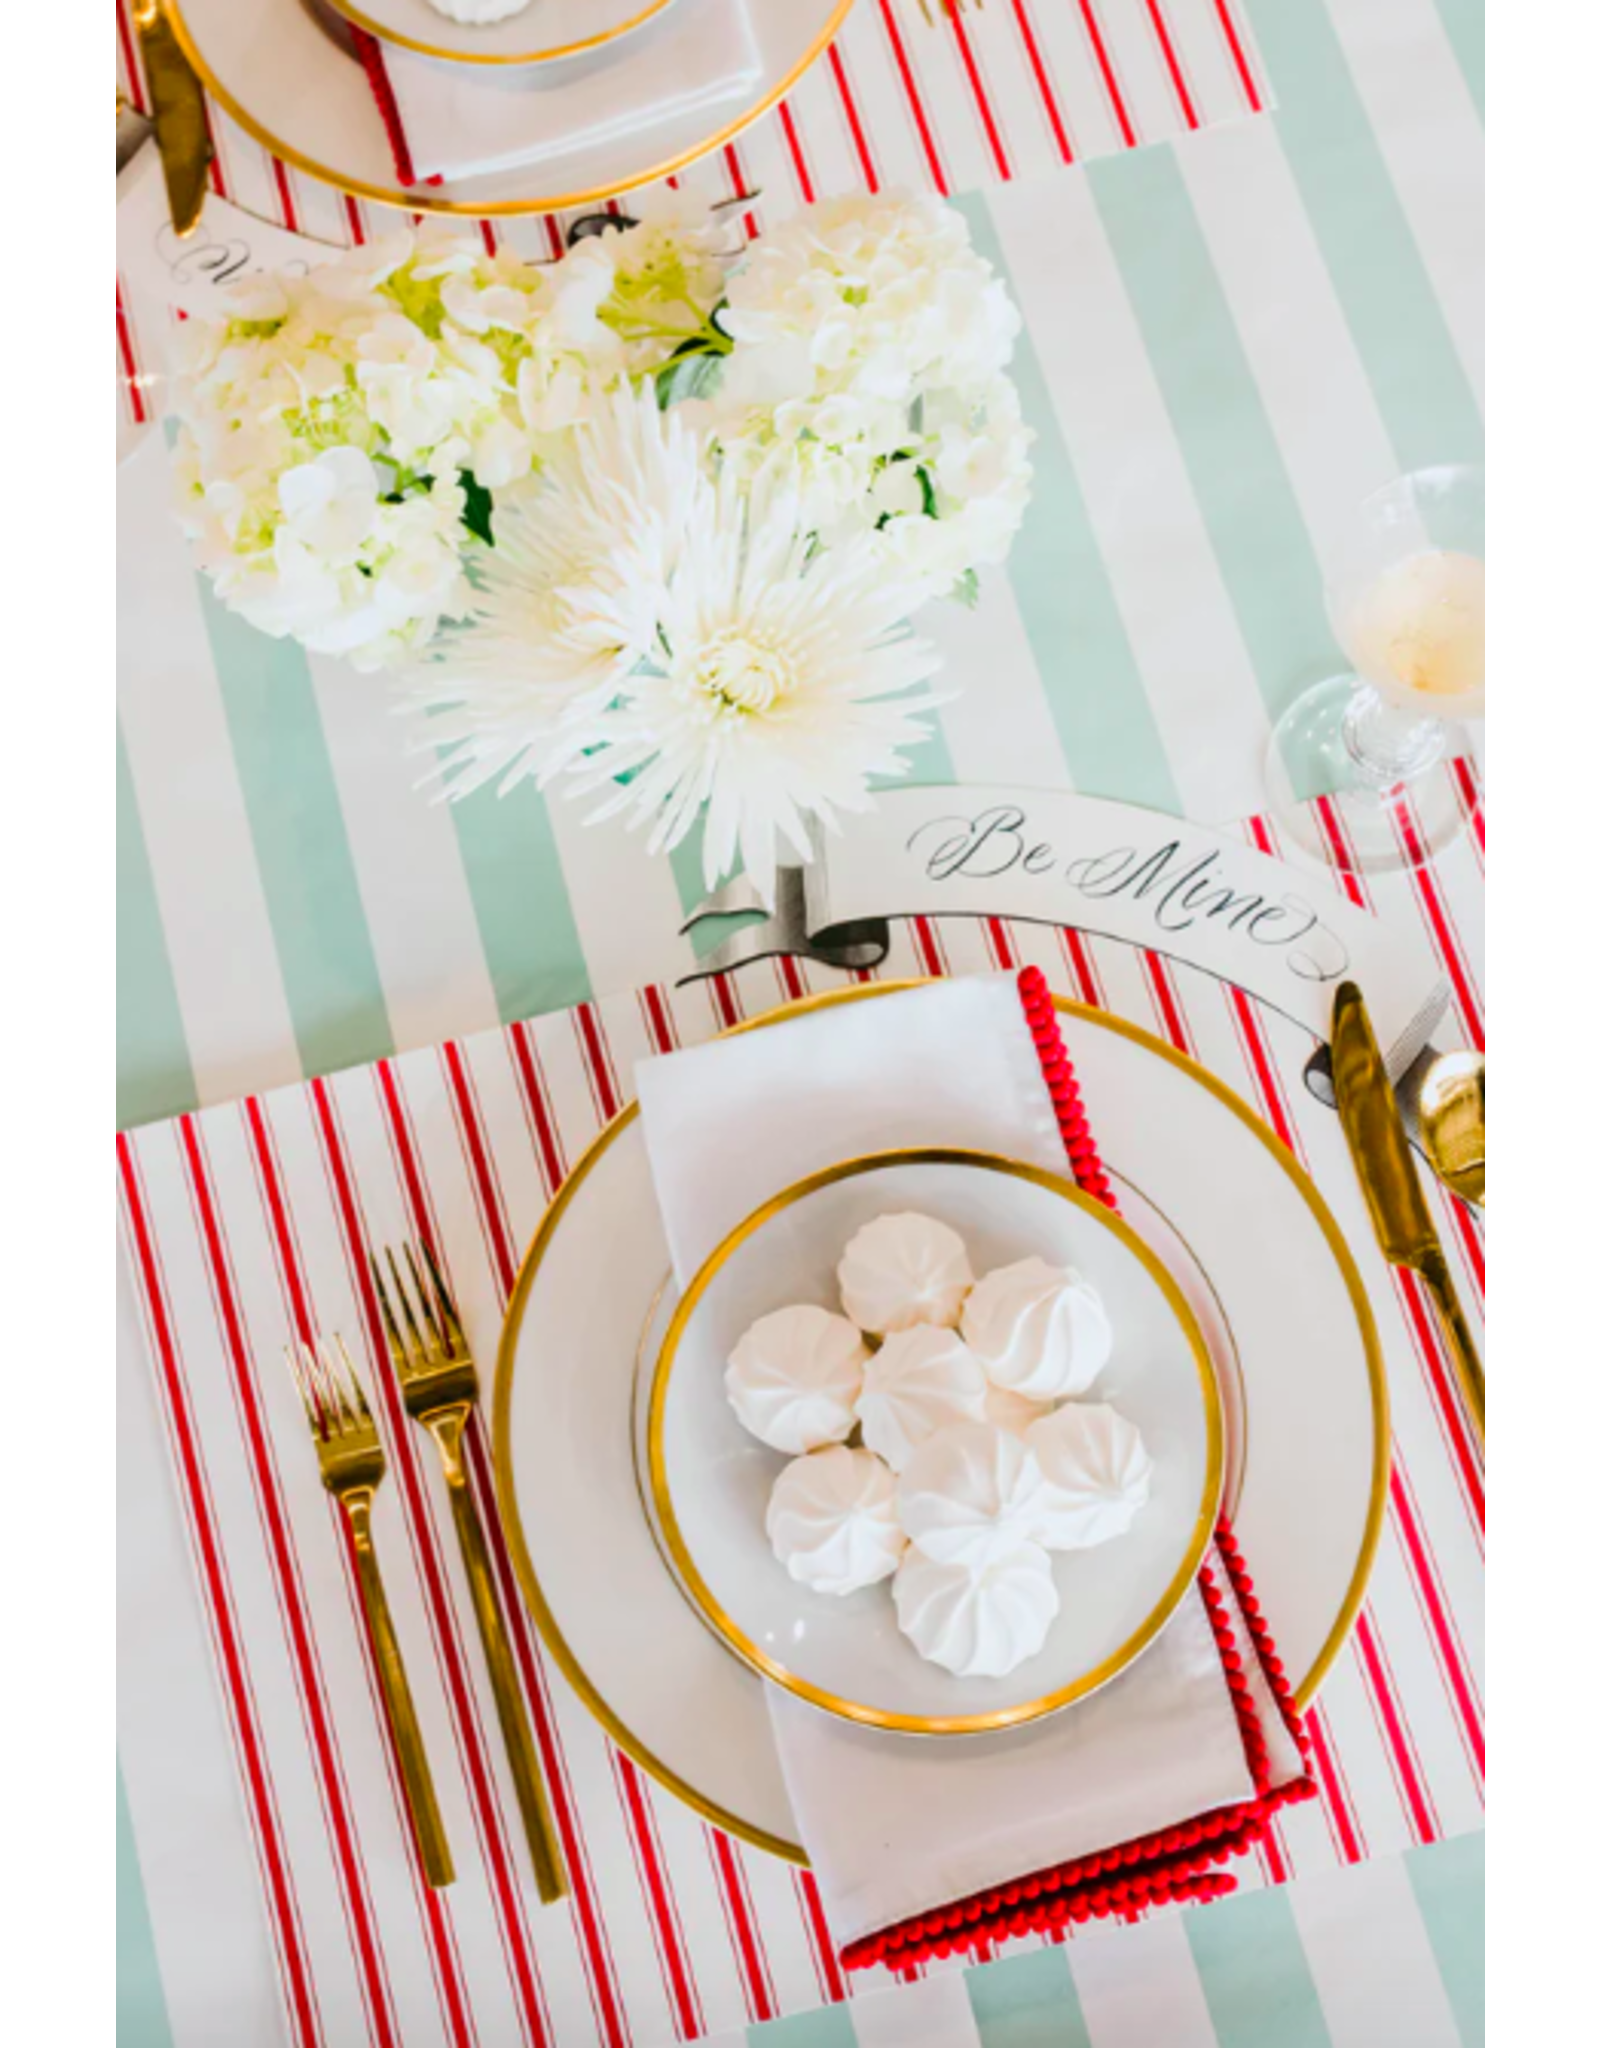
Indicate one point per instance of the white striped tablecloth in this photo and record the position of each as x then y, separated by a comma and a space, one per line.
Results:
1228, 342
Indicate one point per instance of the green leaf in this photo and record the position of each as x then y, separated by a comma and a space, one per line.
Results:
966, 589
692, 373
477, 513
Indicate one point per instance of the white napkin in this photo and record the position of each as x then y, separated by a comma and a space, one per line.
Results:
730, 1123
464, 121
899, 1825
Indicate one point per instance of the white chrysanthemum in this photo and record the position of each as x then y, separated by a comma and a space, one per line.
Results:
567, 603
783, 682
680, 642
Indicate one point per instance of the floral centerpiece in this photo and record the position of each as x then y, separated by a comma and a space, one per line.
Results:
649, 522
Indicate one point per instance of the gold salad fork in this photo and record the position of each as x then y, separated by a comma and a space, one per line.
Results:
352, 1463
439, 1382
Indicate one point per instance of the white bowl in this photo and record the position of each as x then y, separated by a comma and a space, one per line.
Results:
542, 32
709, 1480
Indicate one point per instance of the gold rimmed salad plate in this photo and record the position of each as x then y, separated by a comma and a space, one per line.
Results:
540, 32
1184, 1153
710, 1480
287, 73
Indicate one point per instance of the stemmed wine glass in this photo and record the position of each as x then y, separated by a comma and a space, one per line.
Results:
1405, 598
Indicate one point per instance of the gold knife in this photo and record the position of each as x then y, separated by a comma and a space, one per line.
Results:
1388, 1175
178, 109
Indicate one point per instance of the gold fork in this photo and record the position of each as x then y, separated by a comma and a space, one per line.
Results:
352, 1464
439, 1382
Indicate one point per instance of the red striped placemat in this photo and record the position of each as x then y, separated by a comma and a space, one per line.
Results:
970, 99
1013, 89
247, 1223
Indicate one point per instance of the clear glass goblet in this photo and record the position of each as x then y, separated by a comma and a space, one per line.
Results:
1405, 599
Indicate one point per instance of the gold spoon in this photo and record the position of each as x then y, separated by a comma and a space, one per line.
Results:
1450, 1122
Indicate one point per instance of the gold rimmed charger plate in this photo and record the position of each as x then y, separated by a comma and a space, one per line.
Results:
1306, 1671
519, 40
1176, 1399
282, 73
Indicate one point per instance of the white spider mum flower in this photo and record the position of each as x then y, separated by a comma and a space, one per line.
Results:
566, 604
783, 681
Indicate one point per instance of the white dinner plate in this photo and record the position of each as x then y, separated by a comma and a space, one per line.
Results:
1262, 1261
540, 32
294, 84
710, 1480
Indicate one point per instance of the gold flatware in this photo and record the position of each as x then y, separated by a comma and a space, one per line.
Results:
1451, 1119
439, 1383
932, 9
352, 1463
178, 109
1389, 1180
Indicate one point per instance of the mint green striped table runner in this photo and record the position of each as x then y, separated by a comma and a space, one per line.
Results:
1228, 342
1270, 1970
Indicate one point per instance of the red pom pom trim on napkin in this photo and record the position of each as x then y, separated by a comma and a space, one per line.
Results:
1083, 1153
370, 51
1175, 1863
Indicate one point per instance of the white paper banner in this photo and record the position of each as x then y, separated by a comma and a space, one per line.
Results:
1114, 870
191, 272
160, 275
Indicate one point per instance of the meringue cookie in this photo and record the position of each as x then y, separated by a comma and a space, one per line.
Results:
1040, 1330
971, 1495
794, 1378
1096, 1474
977, 1624
1013, 1412
477, 13
916, 1382
901, 1270
831, 1520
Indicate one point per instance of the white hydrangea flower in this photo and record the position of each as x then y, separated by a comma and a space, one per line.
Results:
326, 427
668, 274
693, 611
870, 345
330, 504
885, 293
